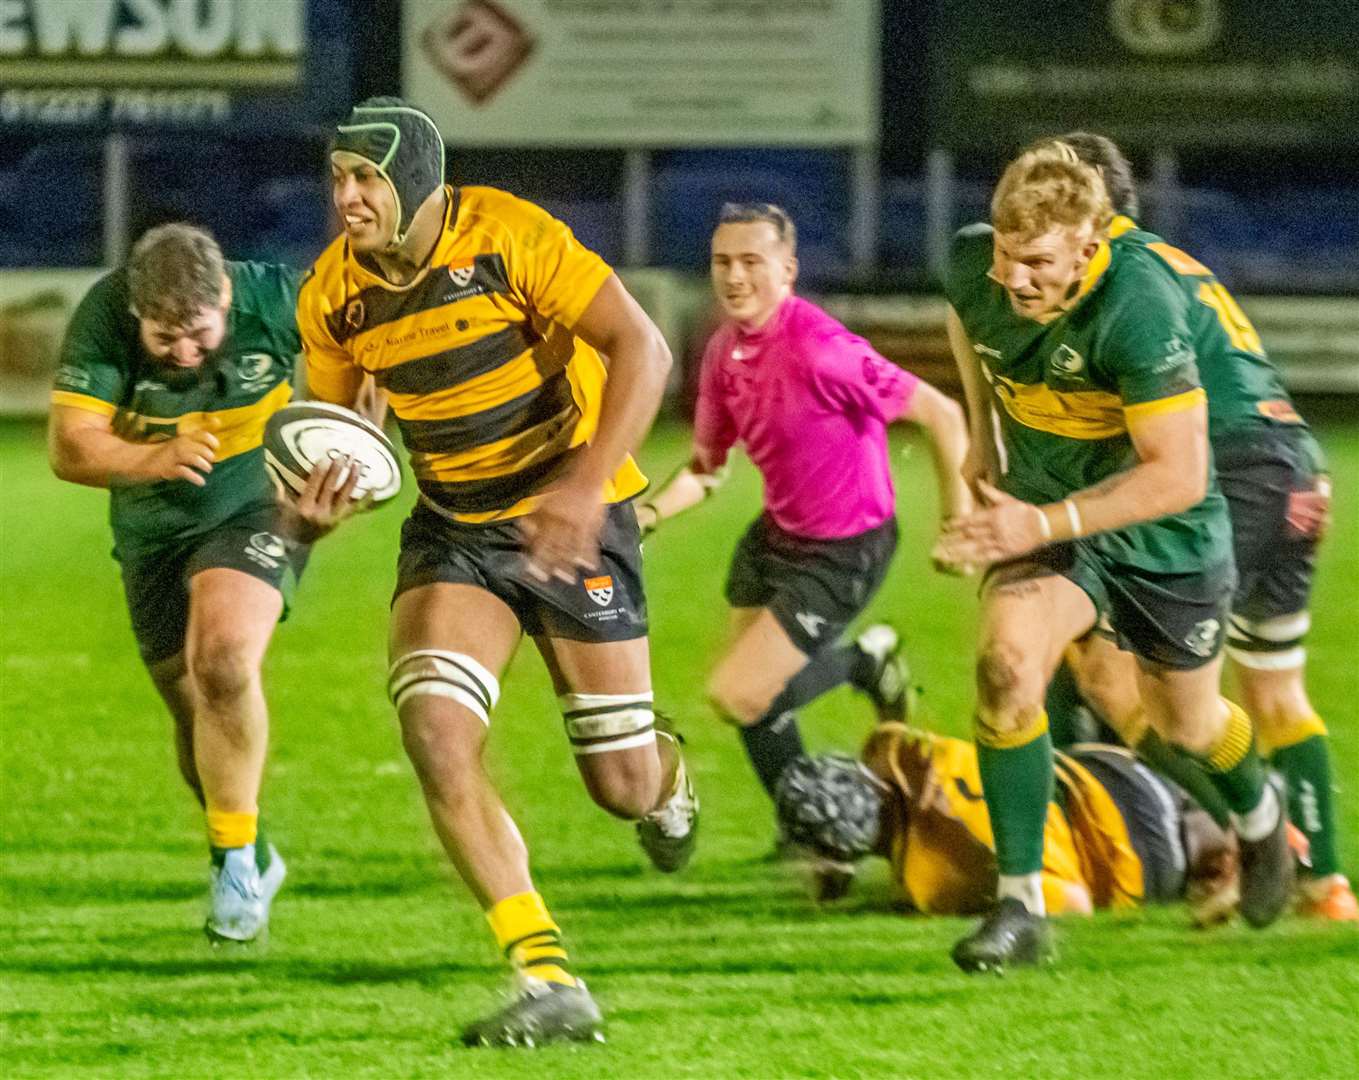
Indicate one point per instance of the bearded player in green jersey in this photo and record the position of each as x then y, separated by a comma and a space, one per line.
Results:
1273, 475
169, 370
1106, 509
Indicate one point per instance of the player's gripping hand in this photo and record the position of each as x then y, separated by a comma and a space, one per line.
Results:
561, 533
326, 501
940, 556
1005, 527
185, 457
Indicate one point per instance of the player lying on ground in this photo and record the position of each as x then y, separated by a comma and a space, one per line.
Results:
811, 402
1116, 834
169, 370
1273, 476
1107, 510
522, 374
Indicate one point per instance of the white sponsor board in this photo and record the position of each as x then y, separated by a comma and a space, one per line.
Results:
35, 306
645, 72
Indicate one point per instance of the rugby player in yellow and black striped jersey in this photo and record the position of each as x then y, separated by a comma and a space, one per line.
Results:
522, 375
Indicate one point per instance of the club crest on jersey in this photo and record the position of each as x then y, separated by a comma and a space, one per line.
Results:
254, 369
1067, 360
599, 589
354, 315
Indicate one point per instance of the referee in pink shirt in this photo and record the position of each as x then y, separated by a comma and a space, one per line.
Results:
811, 402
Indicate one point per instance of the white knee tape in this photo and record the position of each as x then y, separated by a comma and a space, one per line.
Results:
603, 723
435, 673
1282, 629
1268, 644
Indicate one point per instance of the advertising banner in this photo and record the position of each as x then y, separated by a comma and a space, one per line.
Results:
621, 73
111, 64
1172, 73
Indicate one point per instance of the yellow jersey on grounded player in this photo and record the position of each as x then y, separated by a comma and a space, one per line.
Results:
491, 389
941, 846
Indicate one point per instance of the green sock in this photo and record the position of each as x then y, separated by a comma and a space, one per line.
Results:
1234, 766
1311, 803
262, 856
1186, 770
1068, 718
1017, 783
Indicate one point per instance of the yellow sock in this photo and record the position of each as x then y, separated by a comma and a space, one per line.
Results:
1279, 734
1236, 741
529, 938
231, 829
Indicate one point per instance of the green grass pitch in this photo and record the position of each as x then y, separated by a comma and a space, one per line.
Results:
378, 956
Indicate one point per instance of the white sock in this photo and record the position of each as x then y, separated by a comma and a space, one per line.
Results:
1258, 823
1026, 888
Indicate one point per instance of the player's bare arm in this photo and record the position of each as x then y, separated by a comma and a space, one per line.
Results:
1171, 476
979, 461
943, 421
562, 531
688, 486
83, 449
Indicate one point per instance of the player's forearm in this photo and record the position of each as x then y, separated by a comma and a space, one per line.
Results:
969, 374
632, 396
943, 420
685, 489
98, 458
1145, 492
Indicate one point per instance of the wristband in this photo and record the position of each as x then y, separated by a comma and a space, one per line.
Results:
1044, 524
1073, 517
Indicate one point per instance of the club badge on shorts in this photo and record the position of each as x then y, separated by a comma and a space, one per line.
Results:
599, 589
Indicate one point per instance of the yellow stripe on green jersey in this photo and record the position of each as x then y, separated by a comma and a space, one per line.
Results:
1162, 406
491, 389
1078, 414
238, 430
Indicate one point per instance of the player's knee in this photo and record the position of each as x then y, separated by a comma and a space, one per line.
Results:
1006, 681
628, 792
614, 737
221, 670
436, 747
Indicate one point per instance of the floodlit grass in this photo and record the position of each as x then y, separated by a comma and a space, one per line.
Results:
378, 956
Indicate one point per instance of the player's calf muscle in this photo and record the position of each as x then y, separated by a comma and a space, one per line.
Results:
626, 783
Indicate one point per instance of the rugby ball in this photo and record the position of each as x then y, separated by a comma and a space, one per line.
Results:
306, 434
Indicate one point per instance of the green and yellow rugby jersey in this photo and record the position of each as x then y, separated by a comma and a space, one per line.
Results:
490, 387
104, 369
1244, 388
1066, 390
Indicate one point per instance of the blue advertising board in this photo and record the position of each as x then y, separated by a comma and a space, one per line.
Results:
135, 64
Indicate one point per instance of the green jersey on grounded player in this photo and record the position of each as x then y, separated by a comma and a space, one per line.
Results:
170, 369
